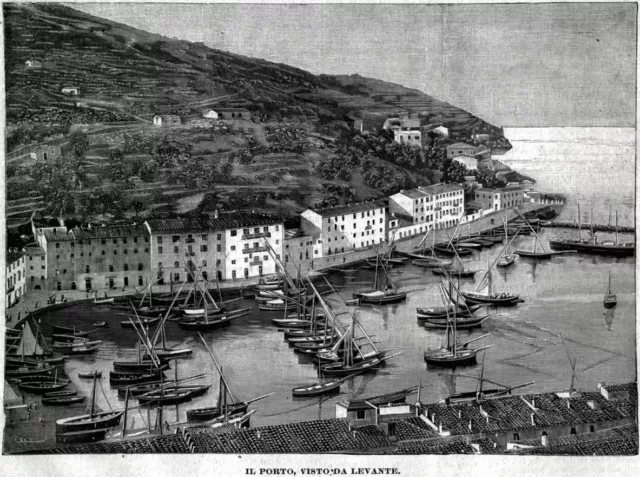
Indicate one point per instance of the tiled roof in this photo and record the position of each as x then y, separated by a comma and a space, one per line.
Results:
202, 224
319, 436
413, 193
111, 231
52, 236
460, 144
349, 208
169, 444
621, 440
13, 256
232, 110
440, 188
512, 413
34, 250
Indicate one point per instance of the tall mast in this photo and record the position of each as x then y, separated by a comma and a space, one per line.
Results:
375, 279
490, 279
93, 395
591, 224
616, 227
579, 225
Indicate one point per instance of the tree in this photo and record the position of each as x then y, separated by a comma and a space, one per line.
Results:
148, 171
79, 143
138, 204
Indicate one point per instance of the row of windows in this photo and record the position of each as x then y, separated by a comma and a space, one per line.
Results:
362, 234
335, 226
15, 264
41, 258
369, 214
103, 241
204, 237
115, 252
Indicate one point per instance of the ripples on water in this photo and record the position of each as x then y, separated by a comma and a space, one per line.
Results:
563, 295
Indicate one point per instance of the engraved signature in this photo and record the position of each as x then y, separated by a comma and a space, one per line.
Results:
24, 440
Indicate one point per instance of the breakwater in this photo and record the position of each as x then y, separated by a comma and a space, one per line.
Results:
596, 227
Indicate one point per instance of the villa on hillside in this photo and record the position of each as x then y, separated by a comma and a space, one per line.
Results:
167, 120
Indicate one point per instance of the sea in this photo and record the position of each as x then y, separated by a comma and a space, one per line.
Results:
561, 320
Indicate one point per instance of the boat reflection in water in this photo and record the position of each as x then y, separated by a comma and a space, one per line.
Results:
609, 315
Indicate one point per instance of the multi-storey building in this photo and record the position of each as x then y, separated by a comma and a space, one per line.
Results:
229, 246
36, 267
16, 276
346, 228
111, 256
438, 206
498, 199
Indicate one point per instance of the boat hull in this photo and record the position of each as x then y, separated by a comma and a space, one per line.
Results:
478, 298
100, 420
620, 250
213, 412
316, 389
450, 361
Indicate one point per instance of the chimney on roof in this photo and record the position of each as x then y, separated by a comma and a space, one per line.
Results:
259, 435
215, 214
459, 413
470, 426
533, 419
544, 440
353, 433
568, 404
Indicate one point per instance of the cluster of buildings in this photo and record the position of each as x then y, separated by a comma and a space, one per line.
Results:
218, 114
603, 422
232, 246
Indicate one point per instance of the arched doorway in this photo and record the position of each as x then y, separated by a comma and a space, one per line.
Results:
219, 275
87, 284
126, 281
246, 273
73, 285
37, 287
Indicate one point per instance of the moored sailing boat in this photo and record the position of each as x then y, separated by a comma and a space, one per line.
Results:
90, 426
610, 300
381, 297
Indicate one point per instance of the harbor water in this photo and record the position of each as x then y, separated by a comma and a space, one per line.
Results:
562, 298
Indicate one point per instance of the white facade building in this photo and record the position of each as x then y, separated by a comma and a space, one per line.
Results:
470, 163
227, 247
438, 206
346, 228
210, 114
498, 199
16, 276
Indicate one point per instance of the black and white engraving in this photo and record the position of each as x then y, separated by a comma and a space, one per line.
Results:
354, 229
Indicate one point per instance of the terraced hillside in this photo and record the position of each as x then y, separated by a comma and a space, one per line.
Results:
122, 71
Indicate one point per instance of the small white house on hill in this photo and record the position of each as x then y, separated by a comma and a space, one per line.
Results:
210, 114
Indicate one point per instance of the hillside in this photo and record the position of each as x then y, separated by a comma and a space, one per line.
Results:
141, 72
125, 76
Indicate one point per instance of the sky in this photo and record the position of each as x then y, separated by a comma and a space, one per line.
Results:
514, 65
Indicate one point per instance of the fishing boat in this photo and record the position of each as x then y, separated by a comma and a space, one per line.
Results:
90, 375
62, 400
141, 366
27, 371
386, 296
223, 409
69, 392
103, 301
462, 323
69, 339
435, 313
452, 354
453, 272
610, 300
480, 297
42, 387
119, 379
544, 255
343, 360
325, 386
145, 388
506, 258
592, 246
150, 311
90, 426
212, 322
452, 250
269, 283
167, 354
